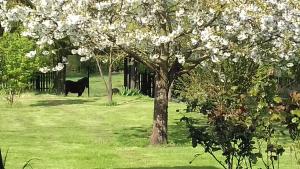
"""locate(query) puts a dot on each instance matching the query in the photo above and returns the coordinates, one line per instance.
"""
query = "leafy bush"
(243, 110)
(15, 68)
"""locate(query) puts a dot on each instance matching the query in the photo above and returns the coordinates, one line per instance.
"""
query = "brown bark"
(101, 75)
(59, 81)
(60, 78)
(170, 92)
(108, 84)
(160, 117)
(1, 31)
(132, 75)
(109, 91)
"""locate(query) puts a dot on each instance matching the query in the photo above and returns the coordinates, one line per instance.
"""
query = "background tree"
(110, 58)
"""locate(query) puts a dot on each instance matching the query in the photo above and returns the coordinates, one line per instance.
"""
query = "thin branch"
(262, 158)
(101, 74)
(216, 16)
(217, 159)
(139, 59)
(194, 63)
(133, 54)
(27, 164)
(195, 156)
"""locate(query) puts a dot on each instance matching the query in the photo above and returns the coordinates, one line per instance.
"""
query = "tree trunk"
(60, 78)
(132, 74)
(110, 67)
(109, 91)
(1, 31)
(160, 117)
(60, 81)
(102, 76)
(170, 92)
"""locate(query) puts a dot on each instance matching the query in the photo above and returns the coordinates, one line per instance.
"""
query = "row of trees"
(170, 37)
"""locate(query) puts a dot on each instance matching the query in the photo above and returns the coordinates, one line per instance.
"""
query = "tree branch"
(133, 54)
(138, 58)
(202, 26)
(194, 63)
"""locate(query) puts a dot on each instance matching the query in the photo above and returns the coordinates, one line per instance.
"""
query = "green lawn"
(83, 133)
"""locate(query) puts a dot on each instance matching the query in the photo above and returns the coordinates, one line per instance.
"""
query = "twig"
(196, 156)
(27, 164)
(217, 159)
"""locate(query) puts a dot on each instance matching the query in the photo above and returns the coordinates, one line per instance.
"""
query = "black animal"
(76, 87)
(115, 91)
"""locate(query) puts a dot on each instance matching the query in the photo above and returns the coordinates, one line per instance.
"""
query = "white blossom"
(155, 56)
(194, 41)
(31, 54)
(242, 36)
(44, 69)
(215, 59)
(58, 67)
(139, 27)
(290, 65)
(181, 59)
(45, 52)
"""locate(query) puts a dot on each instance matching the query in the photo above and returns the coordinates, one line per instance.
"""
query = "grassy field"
(60, 132)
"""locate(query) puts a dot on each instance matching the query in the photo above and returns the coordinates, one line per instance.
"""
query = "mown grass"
(84, 133)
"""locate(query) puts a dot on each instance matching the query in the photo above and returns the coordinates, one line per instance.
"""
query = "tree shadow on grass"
(58, 102)
(176, 167)
(134, 136)
(179, 134)
(139, 136)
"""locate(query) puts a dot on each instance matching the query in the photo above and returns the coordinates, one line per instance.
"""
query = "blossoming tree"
(170, 37)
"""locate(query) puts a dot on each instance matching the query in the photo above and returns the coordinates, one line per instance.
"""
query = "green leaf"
(254, 91)
(296, 112)
(234, 88)
(262, 104)
(277, 99)
(295, 120)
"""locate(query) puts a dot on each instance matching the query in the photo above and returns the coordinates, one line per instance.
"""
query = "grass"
(84, 133)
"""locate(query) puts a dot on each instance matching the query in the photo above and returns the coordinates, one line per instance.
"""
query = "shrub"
(15, 68)
(242, 109)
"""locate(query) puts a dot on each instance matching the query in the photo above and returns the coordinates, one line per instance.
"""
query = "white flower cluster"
(154, 57)
(181, 59)
(44, 69)
(85, 52)
(170, 29)
(31, 54)
(58, 67)
(9, 16)
(158, 40)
